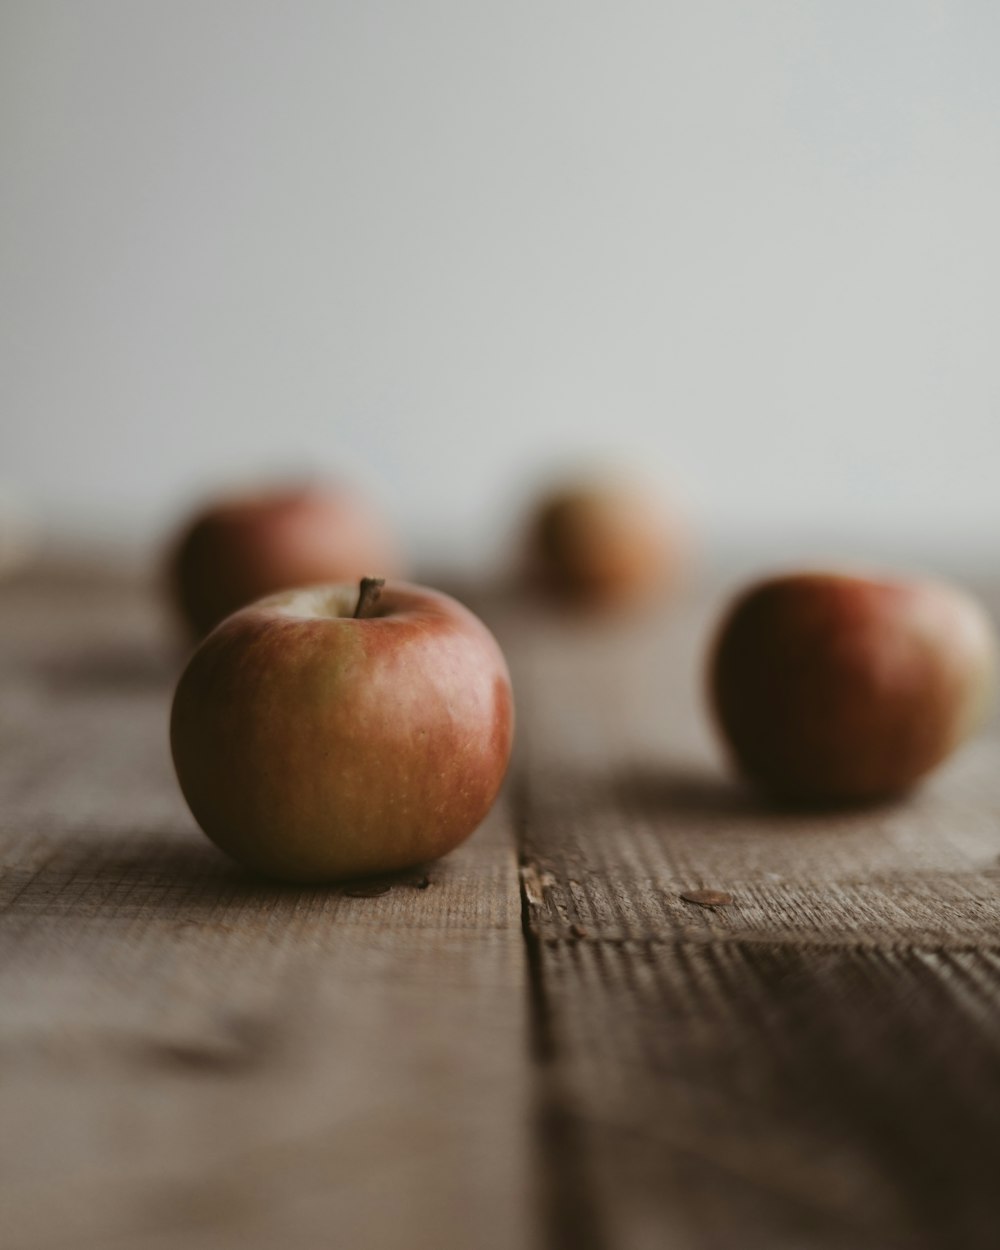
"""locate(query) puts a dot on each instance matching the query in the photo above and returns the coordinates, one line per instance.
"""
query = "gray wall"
(754, 246)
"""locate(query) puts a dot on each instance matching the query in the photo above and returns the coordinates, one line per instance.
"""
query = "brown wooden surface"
(189, 1057)
(816, 1064)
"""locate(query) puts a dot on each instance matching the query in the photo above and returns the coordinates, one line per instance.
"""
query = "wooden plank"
(815, 1065)
(193, 1057)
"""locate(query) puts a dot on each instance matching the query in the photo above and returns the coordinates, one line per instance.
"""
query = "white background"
(445, 247)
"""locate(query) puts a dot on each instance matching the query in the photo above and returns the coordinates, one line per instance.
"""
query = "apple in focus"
(242, 547)
(834, 687)
(322, 733)
(604, 542)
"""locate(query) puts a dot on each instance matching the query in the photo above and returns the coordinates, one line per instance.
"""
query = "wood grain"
(192, 1057)
(537, 1041)
(816, 1064)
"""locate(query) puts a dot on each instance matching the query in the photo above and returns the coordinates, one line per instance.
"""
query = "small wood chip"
(707, 898)
(368, 889)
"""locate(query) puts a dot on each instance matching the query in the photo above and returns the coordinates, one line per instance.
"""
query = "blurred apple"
(242, 547)
(325, 733)
(604, 541)
(837, 687)
(19, 534)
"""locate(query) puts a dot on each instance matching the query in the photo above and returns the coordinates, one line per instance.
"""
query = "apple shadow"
(687, 791)
(170, 877)
(664, 794)
(703, 793)
(123, 668)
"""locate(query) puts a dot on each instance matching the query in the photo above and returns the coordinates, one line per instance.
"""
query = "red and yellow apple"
(322, 734)
(604, 542)
(242, 547)
(835, 687)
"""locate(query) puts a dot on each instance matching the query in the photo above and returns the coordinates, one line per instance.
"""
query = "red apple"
(318, 735)
(605, 542)
(833, 687)
(243, 547)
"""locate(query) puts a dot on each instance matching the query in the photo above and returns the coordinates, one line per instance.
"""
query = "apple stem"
(369, 594)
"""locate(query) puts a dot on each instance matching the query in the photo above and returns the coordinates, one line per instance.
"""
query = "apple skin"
(242, 547)
(313, 746)
(604, 543)
(831, 687)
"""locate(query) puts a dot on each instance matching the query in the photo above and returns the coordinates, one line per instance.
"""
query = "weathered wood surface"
(189, 1057)
(192, 1058)
(816, 1064)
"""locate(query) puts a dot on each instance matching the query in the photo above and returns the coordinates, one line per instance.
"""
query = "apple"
(19, 534)
(835, 687)
(322, 733)
(242, 547)
(604, 542)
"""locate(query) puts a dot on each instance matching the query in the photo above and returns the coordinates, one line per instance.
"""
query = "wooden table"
(536, 1042)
